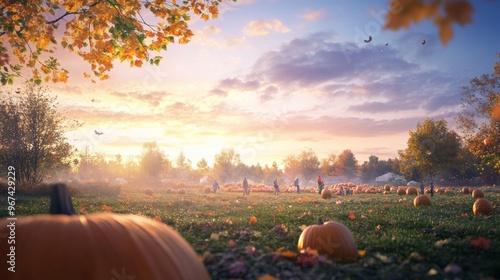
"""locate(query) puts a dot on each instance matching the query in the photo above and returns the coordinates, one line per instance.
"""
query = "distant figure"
(296, 184)
(276, 187)
(321, 184)
(216, 186)
(246, 189)
(432, 189)
(421, 187)
(341, 191)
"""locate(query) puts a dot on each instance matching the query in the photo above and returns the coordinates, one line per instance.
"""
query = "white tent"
(389, 176)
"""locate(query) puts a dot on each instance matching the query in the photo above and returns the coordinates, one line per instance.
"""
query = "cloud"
(154, 99)
(264, 27)
(313, 15)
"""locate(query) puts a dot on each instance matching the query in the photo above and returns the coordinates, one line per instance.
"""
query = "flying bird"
(369, 39)
(387, 44)
(423, 42)
(98, 133)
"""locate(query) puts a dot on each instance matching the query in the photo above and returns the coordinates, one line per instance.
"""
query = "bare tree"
(32, 133)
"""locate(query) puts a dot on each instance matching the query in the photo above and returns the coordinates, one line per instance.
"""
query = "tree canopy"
(479, 120)
(103, 31)
(99, 31)
(431, 149)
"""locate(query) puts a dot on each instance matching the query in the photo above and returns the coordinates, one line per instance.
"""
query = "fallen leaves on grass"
(480, 243)
(252, 220)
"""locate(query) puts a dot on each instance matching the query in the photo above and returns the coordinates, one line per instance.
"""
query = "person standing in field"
(246, 190)
(432, 189)
(216, 186)
(276, 187)
(421, 187)
(296, 184)
(321, 184)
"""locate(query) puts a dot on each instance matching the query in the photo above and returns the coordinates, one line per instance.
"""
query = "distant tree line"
(32, 140)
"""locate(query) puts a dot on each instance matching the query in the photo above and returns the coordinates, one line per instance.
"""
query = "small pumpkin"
(488, 141)
(331, 238)
(387, 187)
(181, 191)
(401, 191)
(482, 207)
(326, 194)
(97, 246)
(477, 193)
(465, 190)
(148, 191)
(411, 191)
(207, 189)
(422, 200)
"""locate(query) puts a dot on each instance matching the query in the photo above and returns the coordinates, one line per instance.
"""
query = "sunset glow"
(271, 78)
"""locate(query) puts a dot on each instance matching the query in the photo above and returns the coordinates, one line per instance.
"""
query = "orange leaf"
(480, 243)
(351, 216)
(252, 220)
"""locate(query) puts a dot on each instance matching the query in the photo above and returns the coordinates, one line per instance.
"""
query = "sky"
(272, 78)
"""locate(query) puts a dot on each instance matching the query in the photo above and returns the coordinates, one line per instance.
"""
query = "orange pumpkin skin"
(477, 194)
(387, 187)
(148, 191)
(465, 190)
(401, 191)
(482, 207)
(411, 191)
(488, 141)
(326, 194)
(422, 200)
(331, 238)
(98, 246)
(207, 189)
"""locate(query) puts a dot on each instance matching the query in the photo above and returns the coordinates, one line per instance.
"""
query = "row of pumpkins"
(108, 245)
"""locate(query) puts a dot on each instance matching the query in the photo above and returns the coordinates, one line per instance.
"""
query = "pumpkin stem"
(320, 221)
(60, 201)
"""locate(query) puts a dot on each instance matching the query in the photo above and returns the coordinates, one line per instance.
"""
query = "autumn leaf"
(252, 220)
(480, 243)
(351, 216)
(157, 218)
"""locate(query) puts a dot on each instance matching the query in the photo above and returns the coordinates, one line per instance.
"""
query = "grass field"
(247, 237)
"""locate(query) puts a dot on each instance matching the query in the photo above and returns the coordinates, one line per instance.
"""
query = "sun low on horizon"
(272, 78)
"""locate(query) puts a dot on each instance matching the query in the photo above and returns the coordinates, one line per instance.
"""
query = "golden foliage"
(402, 13)
(98, 31)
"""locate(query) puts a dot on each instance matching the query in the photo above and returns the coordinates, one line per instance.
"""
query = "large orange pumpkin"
(411, 191)
(422, 200)
(482, 207)
(401, 191)
(326, 194)
(97, 246)
(477, 193)
(331, 238)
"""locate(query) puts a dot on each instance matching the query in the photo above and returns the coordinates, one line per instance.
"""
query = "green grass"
(400, 241)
